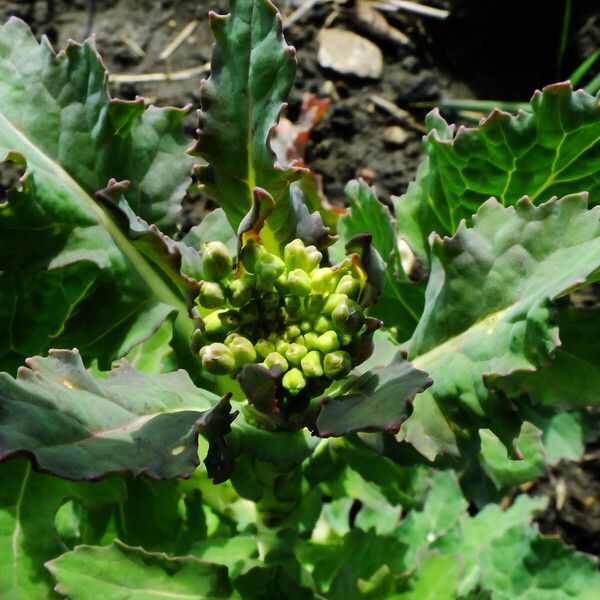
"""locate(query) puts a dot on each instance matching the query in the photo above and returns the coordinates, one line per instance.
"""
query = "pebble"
(395, 135)
(349, 54)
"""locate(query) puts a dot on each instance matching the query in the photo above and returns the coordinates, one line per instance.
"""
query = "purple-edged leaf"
(553, 149)
(488, 311)
(361, 249)
(78, 427)
(260, 384)
(378, 400)
(252, 72)
(66, 266)
(401, 302)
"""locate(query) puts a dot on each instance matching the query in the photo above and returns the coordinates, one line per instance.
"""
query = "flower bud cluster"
(288, 312)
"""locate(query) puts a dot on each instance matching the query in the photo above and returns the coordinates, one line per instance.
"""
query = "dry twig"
(178, 39)
(159, 76)
(400, 114)
(413, 7)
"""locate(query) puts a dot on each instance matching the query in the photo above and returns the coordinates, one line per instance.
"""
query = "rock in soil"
(349, 54)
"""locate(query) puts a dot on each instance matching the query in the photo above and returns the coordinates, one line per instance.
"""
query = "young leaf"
(78, 427)
(28, 503)
(118, 571)
(551, 151)
(487, 306)
(70, 275)
(378, 400)
(252, 72)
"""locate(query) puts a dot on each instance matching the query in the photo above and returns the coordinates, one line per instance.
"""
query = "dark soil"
(498, 49)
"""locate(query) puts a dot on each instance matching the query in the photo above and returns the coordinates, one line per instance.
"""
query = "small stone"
(349, 54)
(395, 135)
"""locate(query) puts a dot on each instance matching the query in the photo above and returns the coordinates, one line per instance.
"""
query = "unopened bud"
(292, 331)
(292, 305)
(298, 282)
(348, 316)
(250, 312)
(337, 364)
(333, 301)
(269, 300)
(239, 293)
(322, 324)
(295, 353)
(310, 340)
(305, 326)
(217, 359)
(314, 258)
(327, 342)
(314, 304)
(250, 254)
(216, 262)
(294, 381)
(213, 326)
(242, 349)
(322, 280)
(211, 295)
(311, 364)
(264, 347)
(348, 286)
(281, 346)
(267, 269)
(274, 358)
(296, 256)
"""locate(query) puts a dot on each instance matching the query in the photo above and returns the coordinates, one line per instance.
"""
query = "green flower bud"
(310, 340)
(314, 257)
(348, 286)
(305, 326)
(213, 326)
(250, 313)
(216, 262)
(199, 339)
(217, 359)
(297, 256)
(230, 319)
(299, 340)
(250, 254)
(239, 292)
(271, 316)
(333, 301)
(269, 300)
(292, 304)
(264, 348)
(345, 339)
(242, 349)
(322, 280)
(337, 364)
(311, 364)
(298, 282)
(274, 358)
(327, 342)
(294, 381)
(295, 353)
(314, 304)
(281, 346)
(348, 316)
(267, 269)
(322, 324)
(212, 295)
(292, 331)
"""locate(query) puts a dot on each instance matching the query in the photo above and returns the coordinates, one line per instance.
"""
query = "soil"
(500, 52)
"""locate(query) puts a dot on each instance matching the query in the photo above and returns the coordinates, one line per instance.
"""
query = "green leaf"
(474, 539)
(434, 580)
(252, 72)
(547, 570)
(402, 300)
(573, 376)
(152, 356)
(487, 306)
(214, 228)
(118, 572)
(82, 280)
(272, 582)
(78, 427)
(443, 509)
(28, 503)
(549, 151)
(378, 400)
(501, 469)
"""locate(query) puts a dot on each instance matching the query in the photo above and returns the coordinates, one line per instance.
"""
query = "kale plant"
(363, 387)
